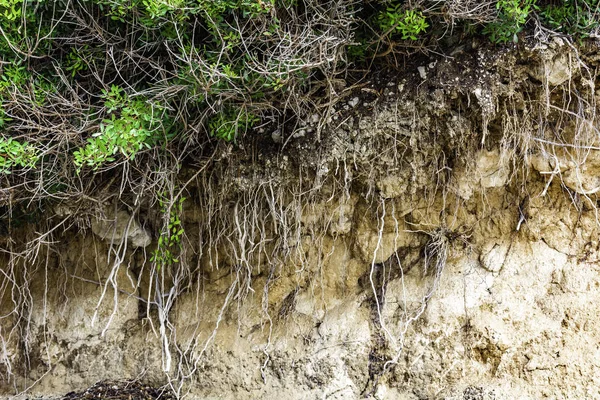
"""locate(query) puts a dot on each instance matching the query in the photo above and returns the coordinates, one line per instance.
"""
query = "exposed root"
(248, 226)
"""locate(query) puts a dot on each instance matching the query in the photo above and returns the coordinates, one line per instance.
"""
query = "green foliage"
(408, 23)
(357, 52)
(134, 124)
(149, 13)
(10, 9)
(14, 77)
(216, 11)
(3, 118)
(169, 243)
(153, 13)
(159, 8)
(118, 10)
(229, 124)
(512, 16)
(14, 153)
(568, 17)
(76, 60)
(42, 89)
(182, 69)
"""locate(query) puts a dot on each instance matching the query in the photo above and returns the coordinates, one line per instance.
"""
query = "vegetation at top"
(87, 86)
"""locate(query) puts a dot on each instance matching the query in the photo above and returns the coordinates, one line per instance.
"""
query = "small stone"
(300, 133)
(121, 226)
(276, 136)
(422, 72)
(354, 102)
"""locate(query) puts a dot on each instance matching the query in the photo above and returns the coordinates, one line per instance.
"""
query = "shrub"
(576, 18)
(134, 124)
(228, 124)
(16, 154)
(512, 16)
(10, 9)
(92, 85)
(408, 23)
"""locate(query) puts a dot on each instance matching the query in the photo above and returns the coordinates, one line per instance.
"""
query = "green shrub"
(15, 77)
(181, 70)
(134, 124)
(575, 18)
(229, 124)
(512, 16)
(76, 60)
(16, 154)
(10, 9)
(159, 8)
(169, 242)
(408, 23)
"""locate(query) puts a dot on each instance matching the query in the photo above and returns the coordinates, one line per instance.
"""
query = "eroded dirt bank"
(440, 242)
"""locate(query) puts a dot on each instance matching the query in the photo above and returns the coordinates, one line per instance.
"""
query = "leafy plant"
(512, 16)
(133, 125)
(15, 76)
(213, 64)
(571, 18)
(42, 88)
(217, 10)
(118, 10)
(10, 9)
(14, 153)
(229, 124)
(3, 118)
(76, 61)
(409, 23)
(169, 242)
(159, 8)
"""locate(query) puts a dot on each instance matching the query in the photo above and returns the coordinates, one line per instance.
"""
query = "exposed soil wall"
(439, 242)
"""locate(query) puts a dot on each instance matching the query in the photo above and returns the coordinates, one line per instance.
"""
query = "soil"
(444, 231)
(114, 390)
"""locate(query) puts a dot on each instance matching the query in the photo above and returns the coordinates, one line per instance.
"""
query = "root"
(256, 225)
